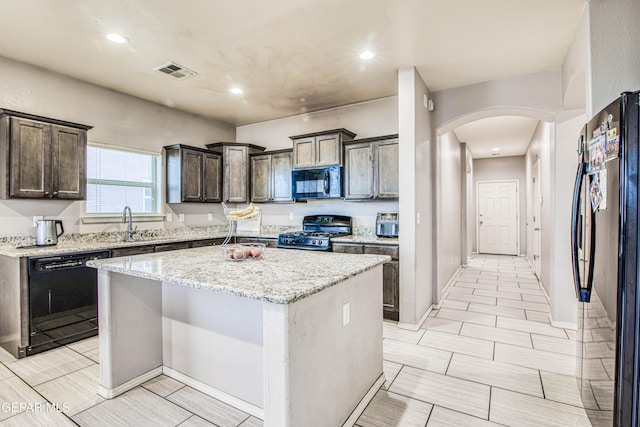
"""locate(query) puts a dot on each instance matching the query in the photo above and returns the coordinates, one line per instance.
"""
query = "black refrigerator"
(604, 240)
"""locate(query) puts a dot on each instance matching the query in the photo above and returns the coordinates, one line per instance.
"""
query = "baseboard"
(449, 283)
(110, 393)
(411, 326)
(214, 392)
(563, 325)
(364, 402)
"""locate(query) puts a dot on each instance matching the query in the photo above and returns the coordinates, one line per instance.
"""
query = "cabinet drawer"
(347, 248)
(137, 250)
(172, 246)
(392, 251)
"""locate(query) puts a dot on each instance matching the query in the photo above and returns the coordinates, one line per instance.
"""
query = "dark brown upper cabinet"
(319, 148)
(236, 169)
(193, 174)
(271, 176)
(42, 157)
(371, 168)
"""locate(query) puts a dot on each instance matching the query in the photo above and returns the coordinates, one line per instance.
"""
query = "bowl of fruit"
(254, 250)
(244, 251)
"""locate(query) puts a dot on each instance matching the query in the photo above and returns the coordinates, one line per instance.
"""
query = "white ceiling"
(509, 134)
(289, 56)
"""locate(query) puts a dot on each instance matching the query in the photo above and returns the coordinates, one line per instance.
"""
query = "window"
(118, 177)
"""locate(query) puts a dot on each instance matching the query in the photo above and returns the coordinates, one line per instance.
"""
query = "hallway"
(488, 356)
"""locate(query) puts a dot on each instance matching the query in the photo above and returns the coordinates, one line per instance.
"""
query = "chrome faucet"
(130, 229)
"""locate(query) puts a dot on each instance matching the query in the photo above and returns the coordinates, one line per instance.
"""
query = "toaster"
(387, 224)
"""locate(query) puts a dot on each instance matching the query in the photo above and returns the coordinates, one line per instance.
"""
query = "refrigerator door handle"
(583, 293)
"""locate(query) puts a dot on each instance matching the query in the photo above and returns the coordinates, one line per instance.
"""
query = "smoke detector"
(175, 70)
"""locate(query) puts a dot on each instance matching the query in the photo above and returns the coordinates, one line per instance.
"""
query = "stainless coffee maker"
(47, 232)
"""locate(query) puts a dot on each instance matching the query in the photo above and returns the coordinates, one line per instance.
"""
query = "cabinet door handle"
(55, 193)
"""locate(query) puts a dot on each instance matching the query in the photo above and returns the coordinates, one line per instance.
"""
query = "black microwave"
(317, 183)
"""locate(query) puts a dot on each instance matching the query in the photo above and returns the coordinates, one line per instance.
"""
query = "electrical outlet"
(181, 217)
(346, 315)
(290, 216)
(36, 218)
(210, 217)
(169, 217)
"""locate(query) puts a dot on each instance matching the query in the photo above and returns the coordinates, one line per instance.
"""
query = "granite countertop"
(72, 245)
(88, 242)
(282, 276)
(366, 239)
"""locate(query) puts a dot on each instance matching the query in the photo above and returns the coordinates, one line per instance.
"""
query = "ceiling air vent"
(174, 70)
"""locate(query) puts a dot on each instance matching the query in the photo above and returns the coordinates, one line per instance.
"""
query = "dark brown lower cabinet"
(270, 242)
(390, 273)
(164, 247)
(391, 290)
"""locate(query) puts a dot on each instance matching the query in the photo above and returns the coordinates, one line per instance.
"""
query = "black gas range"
(316, 234)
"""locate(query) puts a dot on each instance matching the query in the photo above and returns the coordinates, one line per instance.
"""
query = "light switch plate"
(210, 217)
(169, 217)
(181, 217)
(290, 216)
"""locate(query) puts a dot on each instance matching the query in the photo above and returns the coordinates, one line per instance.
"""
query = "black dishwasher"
(63, 300)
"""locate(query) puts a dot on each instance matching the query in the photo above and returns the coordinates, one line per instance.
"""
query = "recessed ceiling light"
(117, 38)
(496, 149)
(236, 90)
(367, 54)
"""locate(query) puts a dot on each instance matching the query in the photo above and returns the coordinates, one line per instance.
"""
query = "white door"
(498, 217)
(535, 223)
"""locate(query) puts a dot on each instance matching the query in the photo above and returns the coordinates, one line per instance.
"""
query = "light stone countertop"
(281, 276)
(367, 239)
(89, 242)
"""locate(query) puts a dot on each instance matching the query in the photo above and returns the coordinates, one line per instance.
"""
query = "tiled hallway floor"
(487, 357)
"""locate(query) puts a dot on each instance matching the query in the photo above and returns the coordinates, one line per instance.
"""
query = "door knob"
(480, 222)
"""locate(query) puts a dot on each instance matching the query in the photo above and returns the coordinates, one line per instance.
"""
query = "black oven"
(318, 183)
(63, 297)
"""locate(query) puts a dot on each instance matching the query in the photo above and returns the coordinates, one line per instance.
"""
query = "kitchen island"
(294, 338)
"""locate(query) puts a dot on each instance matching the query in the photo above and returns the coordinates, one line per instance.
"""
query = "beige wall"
(365, 119)
(450, 210)
(118, 119)
(563, 165)
(614, 29)
(500, 169)
(416, 205)
(540, 148)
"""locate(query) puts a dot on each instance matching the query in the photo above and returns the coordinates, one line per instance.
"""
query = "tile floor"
(487, 357)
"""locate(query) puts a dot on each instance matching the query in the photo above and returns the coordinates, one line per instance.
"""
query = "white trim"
(215, 393)
(517, 181)
(108, 218)
(449, 283)
(411, 326)
(110, 393)
(364, 402)
(122, 148)
(563, 325)
(544, 291)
